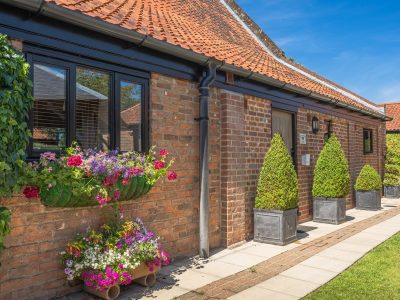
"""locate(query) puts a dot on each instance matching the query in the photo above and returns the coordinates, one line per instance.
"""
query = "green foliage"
(5, 218)
(15, 102)
(277, 186)
(331, 173)
(368, 180)
(392, 163)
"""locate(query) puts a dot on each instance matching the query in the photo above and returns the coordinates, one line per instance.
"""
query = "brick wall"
(233, 162)
(258, 139)
(245, 137)
(30, 266)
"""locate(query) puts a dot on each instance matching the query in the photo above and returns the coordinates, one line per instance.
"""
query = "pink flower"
(163, 152)
(74, 161)
(158, 164)
(125, 182)
(172, 176)
(117, 195)
(121, 266)
(31, 192)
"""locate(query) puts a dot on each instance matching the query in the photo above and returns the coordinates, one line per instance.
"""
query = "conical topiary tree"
(331, 173)
(392, 162)
(277, 186)
(368, 180)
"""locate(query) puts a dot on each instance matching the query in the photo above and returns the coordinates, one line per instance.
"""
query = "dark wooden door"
(282, 123)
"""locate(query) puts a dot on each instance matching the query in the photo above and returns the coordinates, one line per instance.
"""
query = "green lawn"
(375, 276)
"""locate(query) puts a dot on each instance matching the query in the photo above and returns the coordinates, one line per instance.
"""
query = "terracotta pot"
(111, 293)
(143, 276)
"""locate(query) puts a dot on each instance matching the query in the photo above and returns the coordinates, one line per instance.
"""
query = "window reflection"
(49, 118)
(131, 117)
(92, 104)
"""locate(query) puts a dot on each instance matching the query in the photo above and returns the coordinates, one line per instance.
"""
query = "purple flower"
(68, 271)
(129, 240)
(119, 245)
(51, 156)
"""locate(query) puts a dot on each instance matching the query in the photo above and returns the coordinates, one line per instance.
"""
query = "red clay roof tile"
(392, 110)
(208, 27)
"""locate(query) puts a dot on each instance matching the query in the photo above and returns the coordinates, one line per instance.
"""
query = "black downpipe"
(206, 80)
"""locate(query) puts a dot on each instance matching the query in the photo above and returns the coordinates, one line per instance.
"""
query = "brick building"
(392, 110)
(198, 77)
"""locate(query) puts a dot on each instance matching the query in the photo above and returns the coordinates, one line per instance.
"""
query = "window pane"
(131, 116)
(49, 121)
(92, 102)
(367, 141)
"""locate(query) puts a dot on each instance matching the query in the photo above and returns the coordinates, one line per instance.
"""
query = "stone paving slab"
(258, 293)
(287, 285)
(309, 274)
(326, 263)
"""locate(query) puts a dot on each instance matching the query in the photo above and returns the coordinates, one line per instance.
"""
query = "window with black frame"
(49, 117)
(98, 108)
(367, 141)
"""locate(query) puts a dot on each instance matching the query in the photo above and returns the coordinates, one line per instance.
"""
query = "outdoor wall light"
(315, 125)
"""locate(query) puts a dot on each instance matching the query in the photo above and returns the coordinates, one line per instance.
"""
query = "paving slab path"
(261, 271)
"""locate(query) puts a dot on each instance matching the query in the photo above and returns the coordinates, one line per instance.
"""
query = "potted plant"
(331, 184)
(391, 180)
(275, 214)
(368, 189)
(115, 255)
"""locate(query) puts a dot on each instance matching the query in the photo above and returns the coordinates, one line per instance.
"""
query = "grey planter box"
(275, 226)
(392, 191)
(368, 200)
(329, 210)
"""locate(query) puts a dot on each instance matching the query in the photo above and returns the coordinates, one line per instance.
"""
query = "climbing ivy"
(15, 103)
(5, 218)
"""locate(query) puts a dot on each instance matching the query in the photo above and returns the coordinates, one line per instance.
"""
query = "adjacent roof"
(392, 110)
(217, 29)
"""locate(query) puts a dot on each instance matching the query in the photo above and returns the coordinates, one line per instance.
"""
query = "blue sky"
(354, 43)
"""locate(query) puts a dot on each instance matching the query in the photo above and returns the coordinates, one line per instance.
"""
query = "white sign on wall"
(306, 160)
(303, 138)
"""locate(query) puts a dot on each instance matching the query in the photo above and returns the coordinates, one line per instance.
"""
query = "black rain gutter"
(74, 17)
(209, 75)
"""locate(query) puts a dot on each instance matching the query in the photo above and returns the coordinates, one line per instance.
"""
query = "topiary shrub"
(392, 160)
(368, 180)
(331, 173)
(15, 103)
(277, 186)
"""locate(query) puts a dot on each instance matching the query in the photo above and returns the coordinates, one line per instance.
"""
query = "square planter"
(368, 200)
(275, 226)
(329, 210)
(392, 191)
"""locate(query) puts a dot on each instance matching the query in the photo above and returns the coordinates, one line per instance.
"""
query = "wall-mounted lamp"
(315, 125)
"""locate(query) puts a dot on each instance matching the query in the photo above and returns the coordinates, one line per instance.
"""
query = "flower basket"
(86, 178)
(63, 196)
